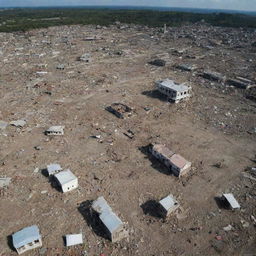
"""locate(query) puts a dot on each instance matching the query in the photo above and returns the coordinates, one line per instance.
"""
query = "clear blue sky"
(214, 4)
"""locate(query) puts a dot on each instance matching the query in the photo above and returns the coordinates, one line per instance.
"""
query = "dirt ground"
(217, 125)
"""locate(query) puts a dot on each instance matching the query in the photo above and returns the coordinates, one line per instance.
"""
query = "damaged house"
(176, 163)
(173, 91)
(120, 110)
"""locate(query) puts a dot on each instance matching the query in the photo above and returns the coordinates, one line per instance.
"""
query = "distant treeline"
(28, 18)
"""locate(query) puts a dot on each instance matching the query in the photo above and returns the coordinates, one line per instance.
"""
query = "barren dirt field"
(215, 129)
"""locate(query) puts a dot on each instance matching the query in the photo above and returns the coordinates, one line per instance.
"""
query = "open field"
(218, 124)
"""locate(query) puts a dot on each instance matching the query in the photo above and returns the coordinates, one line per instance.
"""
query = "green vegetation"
(27, 18)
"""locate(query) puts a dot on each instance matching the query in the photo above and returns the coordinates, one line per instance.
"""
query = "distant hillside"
(21, 19)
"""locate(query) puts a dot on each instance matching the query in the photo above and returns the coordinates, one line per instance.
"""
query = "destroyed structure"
(231, 201)
(120, 110)
(168, 205)
(115, 227)
(66, 180)
(27, 239)
(176, 163)
(173, 91)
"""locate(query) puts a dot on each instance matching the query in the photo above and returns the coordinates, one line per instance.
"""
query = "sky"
(248, 5)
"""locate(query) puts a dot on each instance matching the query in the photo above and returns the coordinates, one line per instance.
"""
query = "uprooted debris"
(120, 110)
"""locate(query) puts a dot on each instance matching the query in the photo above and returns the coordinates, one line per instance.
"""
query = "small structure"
(173, 91)
(85, 57)
(168, 205)
(74, 239)
(55, 130)
(115, 227)
(120, 110)
(187, 67)
(27, 239)
(53, 168)
(176, 163)
(231, 201)
(18, 123)
(214, 76)
(67, 180)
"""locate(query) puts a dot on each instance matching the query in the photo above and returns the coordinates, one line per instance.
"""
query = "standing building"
(173, 91)
(27, 239)
(176, 163)
(67, 180)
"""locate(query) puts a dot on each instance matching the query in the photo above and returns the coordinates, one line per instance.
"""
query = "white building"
(27, 239)
(67, 180)
(168, 205)
(173, 91)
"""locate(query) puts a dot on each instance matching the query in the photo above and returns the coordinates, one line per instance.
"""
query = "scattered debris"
(130, 134)
(228, 228)
(55, 130)
(85, 57)
(168, 205)
(27, 239)
(5, 182)
(67, 180)
(74, 239)
(158, 62)
(173, 91)
(214, 76)
(60, 67)
(187, 67)
(120, 110)
(3, 125)
(115, 227)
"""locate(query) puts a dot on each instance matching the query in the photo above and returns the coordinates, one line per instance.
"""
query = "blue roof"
(25, 236)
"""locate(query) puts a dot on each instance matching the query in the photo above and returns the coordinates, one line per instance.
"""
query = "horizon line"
(128, 6)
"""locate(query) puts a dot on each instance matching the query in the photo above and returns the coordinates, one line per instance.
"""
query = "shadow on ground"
(221, 203)
(155, 94)
(154, 162)
(151, 207)
(92, 219)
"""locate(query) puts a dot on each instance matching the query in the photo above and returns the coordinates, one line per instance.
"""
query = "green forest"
(22, 19)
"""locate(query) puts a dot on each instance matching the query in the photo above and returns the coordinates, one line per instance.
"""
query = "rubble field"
(67, 76)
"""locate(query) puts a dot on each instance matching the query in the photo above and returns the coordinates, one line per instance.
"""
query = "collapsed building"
(120, 110)
(176, 163)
